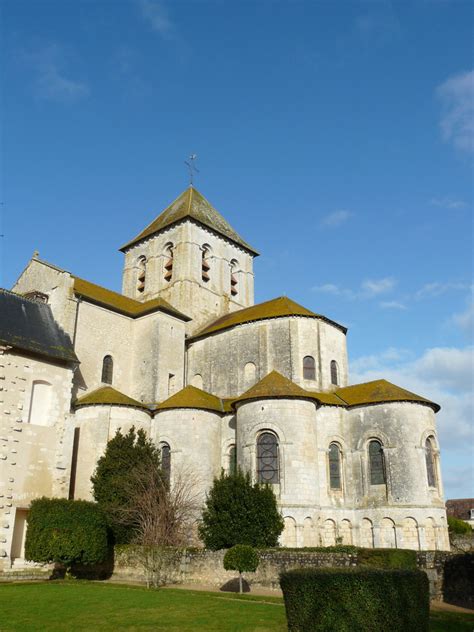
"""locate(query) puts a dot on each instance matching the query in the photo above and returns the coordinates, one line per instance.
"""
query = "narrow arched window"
(334, 373)
(430, 462)
(168, 262)
(232, 454)
(205, 267)
(107, 369)
(376, 463)
(309, 368)
(233, 278)
(141, 275)
(334, 466)
(166, 462)
(267, 459)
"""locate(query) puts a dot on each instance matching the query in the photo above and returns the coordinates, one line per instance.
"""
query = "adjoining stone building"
(217, 382)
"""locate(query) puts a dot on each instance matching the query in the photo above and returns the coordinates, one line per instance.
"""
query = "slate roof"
(30, 326)
(106, 395)
(191, 204)
(120, 303)
(192, 397)
(275, 308)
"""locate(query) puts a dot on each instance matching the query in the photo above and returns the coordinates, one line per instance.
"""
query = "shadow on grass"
(233, 586)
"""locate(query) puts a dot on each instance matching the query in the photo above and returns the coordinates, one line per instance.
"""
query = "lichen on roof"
(275, 308)
(274, 386)
(191, 204)
(192, 397)
(380, 391)
(123, 304)
(106, 395)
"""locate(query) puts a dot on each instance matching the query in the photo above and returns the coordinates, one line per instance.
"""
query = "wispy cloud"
(457, 122)
(156, 14)
(436, 288)
(447, 202)
(465, 319)
(369, 288)
(393, 305)
(335, 219)
(379, 23)
(51, 78)
(374, 287)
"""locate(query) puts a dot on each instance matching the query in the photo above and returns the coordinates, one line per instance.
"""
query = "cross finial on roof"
(192, 167)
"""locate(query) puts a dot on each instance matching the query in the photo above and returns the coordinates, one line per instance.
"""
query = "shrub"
(242, 558)
(388, 558)
(344, 600)
(66, 532)
(458, 527)
(458, 581)
(238, 512)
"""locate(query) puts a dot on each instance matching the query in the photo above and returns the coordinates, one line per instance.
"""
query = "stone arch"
(329, 532)
(288, 537)
(250, 375)
(197, 381)
(430, 534)
(308, 532)
(388, 534)
(345, 531)
(366, 534)
(411, 538)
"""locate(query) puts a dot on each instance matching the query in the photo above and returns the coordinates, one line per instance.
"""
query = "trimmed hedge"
(458, 582)
(366, 600)
(66, 531)
(403, 559)
(242, 558)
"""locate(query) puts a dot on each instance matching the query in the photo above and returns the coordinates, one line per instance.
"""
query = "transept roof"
(275, 308)
(193, 205)
(106, 395)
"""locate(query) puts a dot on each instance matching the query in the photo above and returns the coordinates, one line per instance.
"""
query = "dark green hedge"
(366, 600)
(387, 558)
(66, 532)
(458, 581)
(458, 527)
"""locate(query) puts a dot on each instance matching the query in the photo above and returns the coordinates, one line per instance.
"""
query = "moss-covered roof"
(120, 303)
(274, 386)
(191, 204)
(192, 397)
(106, 395)
(275, 308)
(379, 391)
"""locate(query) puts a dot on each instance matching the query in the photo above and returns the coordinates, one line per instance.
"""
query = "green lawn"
(93, 606)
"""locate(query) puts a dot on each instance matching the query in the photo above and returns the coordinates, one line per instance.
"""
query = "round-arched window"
(268, 470)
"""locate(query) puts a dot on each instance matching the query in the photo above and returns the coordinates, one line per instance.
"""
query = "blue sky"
(336, 137)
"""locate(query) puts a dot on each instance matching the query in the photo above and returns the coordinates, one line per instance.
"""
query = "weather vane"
(192, 167)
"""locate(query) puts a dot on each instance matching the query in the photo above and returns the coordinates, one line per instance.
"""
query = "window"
(250, 374)
(141, 275)
(267, 459)
(232, 465)
(334, 373)
(166, 461)
(169, 262)
(205, 267)
(40, 403)
(36, 296)
(309, 368)
(233, 278)
(334, 466)
(107, 369)
(376, 463)
(430, 462)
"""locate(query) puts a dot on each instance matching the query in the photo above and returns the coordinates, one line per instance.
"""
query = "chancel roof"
(274, 386)
(193, 397)
(29, 325)
(106, 395)
(193, 205)
(275, 308)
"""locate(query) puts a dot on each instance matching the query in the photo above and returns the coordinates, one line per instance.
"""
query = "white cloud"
(332, 220)
(367, 289)
(374, 287)
(51, 80)
(457, 122)
(437, 289)
(156, 15)
(448, 203)
(393, 305)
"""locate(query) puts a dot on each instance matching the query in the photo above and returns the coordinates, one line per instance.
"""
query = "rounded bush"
(458, 527)
(242, 558)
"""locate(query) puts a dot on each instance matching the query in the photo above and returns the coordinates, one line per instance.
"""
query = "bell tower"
(191, 257)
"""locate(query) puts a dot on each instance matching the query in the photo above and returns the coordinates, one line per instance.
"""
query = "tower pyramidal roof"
(193, 205)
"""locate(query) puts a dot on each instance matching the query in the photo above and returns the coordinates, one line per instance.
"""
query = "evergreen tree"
(114, 478)
(238, 512)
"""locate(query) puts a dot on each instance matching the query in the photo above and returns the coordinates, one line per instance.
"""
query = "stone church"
(217, 382)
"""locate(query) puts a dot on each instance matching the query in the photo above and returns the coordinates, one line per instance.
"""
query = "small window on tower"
(334, 373)
(309, 368)
(107, 369)
(205, 267)
(168, 262)
(233, 278)
(141, 275)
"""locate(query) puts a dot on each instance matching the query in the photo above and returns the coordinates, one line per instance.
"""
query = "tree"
(242, 558)
(115, 477)
(66, 532)
(237, 512)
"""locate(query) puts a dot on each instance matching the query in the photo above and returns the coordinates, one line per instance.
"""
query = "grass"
(55, 606)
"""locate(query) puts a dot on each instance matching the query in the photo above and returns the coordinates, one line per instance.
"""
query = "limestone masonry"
(217, 382)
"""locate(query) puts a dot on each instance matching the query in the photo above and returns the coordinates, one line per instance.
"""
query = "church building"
(218, 382)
